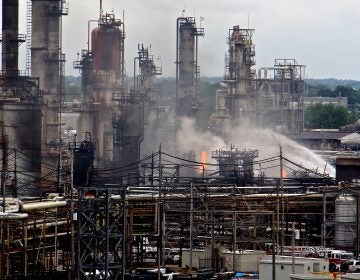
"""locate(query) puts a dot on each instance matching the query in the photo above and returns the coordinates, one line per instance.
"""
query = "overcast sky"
(324, 35)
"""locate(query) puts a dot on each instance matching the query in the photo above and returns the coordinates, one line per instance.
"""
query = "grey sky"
(324, 35)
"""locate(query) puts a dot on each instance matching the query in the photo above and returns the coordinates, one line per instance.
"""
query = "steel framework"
(100, 239)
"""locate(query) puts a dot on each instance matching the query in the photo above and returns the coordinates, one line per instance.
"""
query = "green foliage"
(327, 116)
(319, 90)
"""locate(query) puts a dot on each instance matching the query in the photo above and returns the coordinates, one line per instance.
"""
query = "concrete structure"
(284, 266)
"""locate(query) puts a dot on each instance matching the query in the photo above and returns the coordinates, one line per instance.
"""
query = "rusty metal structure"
(187, 68)
(235, 104)
(280, 96)
(102, 70)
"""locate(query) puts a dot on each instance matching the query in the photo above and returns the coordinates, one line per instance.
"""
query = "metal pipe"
(88, 37)
(135, 58)
(13, 216)
(191, 224)
(42, 205)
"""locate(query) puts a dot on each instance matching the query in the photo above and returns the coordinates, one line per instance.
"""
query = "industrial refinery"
(136, 189)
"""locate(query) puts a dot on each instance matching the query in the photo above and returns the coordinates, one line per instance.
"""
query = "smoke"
(188, 137)
(266, 141)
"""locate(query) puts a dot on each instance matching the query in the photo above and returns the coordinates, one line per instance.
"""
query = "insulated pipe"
(13, 216)
(10, 30)
(42, 205)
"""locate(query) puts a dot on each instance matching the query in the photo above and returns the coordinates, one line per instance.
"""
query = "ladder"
(28, 35)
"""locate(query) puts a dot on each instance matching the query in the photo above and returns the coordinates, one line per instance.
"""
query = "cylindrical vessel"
(106, 46)
(345, 221)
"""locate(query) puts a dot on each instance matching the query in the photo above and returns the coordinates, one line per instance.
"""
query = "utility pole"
(282, 200)
(191, 224)
(4, 144)
(159, 242)
(293, 249)
(273, 249)
(72, 220)
(15, 175)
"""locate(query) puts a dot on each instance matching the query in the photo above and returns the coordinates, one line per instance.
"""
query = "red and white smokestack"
(10, 40)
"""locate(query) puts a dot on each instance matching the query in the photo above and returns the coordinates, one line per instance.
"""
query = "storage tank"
(345, 221)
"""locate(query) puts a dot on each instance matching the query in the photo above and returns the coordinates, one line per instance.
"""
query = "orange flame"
(203, 162)
(283, 172)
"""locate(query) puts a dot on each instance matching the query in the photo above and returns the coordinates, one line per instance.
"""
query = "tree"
(326, 116)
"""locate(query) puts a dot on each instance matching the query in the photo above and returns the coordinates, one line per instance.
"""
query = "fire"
(203, 162)
(283, 172)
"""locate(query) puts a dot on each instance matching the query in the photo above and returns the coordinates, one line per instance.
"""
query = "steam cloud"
(266, 141)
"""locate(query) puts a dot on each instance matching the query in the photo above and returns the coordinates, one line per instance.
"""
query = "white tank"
(345, 221)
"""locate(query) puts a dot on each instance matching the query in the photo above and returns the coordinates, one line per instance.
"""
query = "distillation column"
(235, 104)
(102, 69)
(187, 71)
(47, 63)
(144, 83)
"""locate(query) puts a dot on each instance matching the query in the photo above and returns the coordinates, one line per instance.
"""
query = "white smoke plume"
(266, 141)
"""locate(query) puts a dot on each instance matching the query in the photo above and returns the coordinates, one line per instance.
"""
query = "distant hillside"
(333, 83)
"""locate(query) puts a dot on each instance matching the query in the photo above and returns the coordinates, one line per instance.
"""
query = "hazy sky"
(324, 35)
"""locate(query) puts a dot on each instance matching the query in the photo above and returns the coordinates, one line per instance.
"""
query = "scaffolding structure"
(280, 96)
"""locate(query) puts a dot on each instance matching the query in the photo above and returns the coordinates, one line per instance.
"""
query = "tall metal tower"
(148, 88)
(102, 69)
(47, 63)
(187, 69)
(235, 104)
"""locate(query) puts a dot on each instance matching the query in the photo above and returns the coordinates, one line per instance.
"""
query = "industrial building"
(112, 200)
